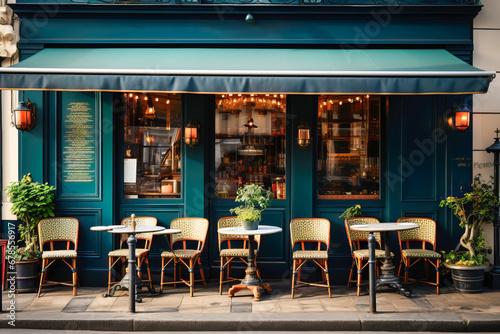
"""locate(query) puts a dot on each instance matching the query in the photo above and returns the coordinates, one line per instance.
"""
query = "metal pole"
(496, 223)
(372, 270)
(132, 289)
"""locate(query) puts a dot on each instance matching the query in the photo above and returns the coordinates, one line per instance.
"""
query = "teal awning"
(196, 70)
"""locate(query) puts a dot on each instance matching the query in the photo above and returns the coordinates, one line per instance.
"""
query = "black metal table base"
(124, 284)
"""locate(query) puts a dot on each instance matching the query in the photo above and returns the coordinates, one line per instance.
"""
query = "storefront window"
(151, 149)
(250, 143)
(349, 147)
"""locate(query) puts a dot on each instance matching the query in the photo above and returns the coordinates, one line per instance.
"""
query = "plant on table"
(255, 199)
(473, 210)
(31, 202)
(353, 211)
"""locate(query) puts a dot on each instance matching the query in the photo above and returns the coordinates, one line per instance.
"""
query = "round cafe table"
(251, 280)
(130, 281)
(388, 275)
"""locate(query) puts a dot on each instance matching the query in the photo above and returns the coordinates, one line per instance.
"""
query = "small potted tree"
(31, 202)
(255, 199)
(473, 210)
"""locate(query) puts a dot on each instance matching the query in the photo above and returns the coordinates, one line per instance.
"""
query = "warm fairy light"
(279, 103)
(324, 103)
(340, 103)
(357, 98)
(239, 95)
(223, 95)
(157, 99)
(168, 101)
(145, 98)
(331, 101)
(137, 97)
(367, 96)
(252, 99)
(281, 95)
(131, 95)
(275, 95)
(230, 95)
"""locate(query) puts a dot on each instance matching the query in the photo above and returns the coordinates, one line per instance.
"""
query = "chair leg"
(149, 273)
(359, 266)
(191, 277)
(438, 263)
(162, 274)
(201, 273)
(399, 268)
(110, 268)
(327, 279)
(221, 279)
(139, 266)
(257, 269)
(74, 277)
(293, 276)
(351, 273)
(175, 273)
(298, 274)
(42, 276)
(407, 269)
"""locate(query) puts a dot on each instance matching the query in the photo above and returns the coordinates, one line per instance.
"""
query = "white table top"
(106, 227)
(138, 229)
(263, 229)
(384, 227)
(168, 231)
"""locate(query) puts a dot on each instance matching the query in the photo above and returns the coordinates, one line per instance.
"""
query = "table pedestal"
(251, 280)
(388, 274)
(131, 279)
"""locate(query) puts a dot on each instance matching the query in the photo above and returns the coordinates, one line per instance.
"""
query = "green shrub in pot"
(255, 199)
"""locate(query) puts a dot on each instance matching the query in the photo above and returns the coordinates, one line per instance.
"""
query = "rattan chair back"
(227, 238)
(192, 229)
(58, 229)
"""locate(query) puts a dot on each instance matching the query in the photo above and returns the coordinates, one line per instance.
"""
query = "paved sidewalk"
(311, 310)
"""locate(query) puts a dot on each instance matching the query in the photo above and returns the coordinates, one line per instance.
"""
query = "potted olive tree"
(31, 202)
(473, 210)
(255, 199)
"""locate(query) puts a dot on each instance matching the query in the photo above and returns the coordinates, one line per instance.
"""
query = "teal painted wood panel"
(31, 145)
(419, 140)
(298, 28)
(300, 186)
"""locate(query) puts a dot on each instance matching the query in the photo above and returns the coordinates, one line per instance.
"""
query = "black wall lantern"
(192, 133)
(461, 117)
(24, 117)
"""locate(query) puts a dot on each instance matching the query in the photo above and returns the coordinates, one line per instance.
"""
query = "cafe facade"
(164, 109)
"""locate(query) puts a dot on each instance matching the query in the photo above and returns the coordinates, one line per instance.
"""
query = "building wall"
(486, 116)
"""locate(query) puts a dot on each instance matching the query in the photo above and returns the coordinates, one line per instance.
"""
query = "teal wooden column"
(194, 163)
(301, 108)
(31, 150)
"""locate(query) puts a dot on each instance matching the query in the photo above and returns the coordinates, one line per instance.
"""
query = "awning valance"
(197, 70)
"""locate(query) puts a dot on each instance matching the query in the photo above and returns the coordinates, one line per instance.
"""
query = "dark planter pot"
(254, 225)
(27, 275)
(467, 279)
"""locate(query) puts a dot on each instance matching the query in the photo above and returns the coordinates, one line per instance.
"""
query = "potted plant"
(353, 211)
(473, 210)
(31, 201)
(255, 199)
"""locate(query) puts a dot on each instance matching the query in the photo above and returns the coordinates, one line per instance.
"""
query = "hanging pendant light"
(150, 110)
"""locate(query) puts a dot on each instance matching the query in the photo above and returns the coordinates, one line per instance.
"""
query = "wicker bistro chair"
(192, 229)
(315, 231)
(426, 234)
(140, 253)
(229, 253)
(54, 231)
(359, 254)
